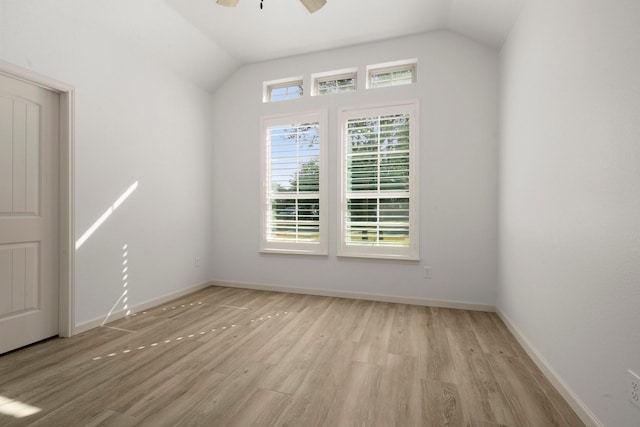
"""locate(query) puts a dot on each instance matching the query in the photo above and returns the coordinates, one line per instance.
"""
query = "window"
(334, 82)
(293, 200)
(391, 74)
(379, 207)
(281, 90)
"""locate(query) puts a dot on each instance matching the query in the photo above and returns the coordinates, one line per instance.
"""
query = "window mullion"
(379, 158)
(297, 204)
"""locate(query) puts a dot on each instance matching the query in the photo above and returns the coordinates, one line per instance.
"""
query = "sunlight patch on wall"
(125, 283)
(87, 234)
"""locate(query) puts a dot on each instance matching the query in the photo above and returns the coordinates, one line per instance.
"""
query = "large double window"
(379, 207)
(294, 183)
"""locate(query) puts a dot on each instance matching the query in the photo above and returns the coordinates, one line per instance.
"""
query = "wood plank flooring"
(234, 357)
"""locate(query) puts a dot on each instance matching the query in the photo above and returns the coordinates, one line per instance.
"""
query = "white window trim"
(400, 253)
(390, 67)
(303, 248)
(346, 73)
(269, 86)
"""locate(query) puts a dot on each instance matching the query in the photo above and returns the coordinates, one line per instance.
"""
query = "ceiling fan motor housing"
(311, 5)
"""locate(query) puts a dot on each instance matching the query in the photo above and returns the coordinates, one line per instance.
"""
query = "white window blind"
(293, 204)
(379, 212)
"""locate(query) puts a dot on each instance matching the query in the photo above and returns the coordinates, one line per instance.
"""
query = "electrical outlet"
(427, 272)
(634, 388)
(196, 262)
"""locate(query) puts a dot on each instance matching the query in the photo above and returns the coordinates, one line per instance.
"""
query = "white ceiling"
(285, 27)
(205, 42)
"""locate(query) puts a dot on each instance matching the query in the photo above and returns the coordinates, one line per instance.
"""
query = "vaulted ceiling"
(284, 27)
(205, 42)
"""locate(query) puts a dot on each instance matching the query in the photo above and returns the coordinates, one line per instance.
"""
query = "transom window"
(391, 74)
(293, 205)
(282, 90)
(336, 82)
(379, 195)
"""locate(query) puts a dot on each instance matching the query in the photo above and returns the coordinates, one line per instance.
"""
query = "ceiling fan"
(311, 5)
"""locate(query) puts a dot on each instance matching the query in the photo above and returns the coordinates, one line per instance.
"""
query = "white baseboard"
(572, 399)
(99, 321)
(357, 295)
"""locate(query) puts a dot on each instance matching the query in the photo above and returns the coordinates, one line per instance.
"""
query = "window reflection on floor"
(16, 408)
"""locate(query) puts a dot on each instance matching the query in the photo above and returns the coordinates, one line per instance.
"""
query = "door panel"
(20, 153)
(29, 180)
(19, 284)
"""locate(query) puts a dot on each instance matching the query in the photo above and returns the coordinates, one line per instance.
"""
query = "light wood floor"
(232, 357)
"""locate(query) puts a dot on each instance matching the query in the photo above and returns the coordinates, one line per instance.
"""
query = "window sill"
(293, 252)
(378, 256)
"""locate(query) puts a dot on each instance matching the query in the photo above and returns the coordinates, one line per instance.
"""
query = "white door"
(28, 213)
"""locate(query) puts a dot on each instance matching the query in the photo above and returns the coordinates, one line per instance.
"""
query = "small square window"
(334, 82)
(391, 74)
(282, 90)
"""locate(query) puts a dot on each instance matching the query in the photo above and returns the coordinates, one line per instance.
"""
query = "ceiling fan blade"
(313, 5)
(232, 3)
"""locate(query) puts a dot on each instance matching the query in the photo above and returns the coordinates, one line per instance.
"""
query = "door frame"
(66, 279)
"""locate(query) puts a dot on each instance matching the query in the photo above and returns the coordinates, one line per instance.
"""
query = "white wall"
(137, 120)
(570, 194)
(458, 90)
